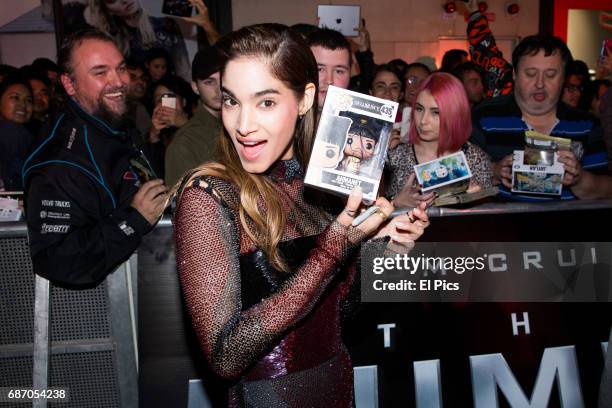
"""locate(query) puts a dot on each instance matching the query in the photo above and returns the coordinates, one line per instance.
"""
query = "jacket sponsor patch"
(71, 139)
(54, 229)
(54, 215)
(127, 230)
(55, 203)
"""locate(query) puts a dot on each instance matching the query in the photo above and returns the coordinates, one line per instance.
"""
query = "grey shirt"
(193, 144)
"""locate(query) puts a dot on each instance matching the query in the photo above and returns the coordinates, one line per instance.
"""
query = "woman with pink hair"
(440, 125)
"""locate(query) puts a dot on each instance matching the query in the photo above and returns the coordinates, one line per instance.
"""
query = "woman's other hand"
(411, 196)
(404, 228)
(407, 227)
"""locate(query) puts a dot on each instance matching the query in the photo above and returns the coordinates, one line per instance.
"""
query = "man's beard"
(114, 119)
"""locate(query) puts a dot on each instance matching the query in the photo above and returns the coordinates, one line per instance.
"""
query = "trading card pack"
(351, 143)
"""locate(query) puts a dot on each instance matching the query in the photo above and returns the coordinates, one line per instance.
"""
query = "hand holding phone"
(179, 8)
(168, 100)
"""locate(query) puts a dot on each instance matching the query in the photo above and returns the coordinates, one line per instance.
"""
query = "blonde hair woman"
(135, 31)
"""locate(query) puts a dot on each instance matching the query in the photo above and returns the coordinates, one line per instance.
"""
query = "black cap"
(205, 63)
(364, 125)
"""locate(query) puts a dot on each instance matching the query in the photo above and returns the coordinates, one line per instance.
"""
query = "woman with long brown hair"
(263, 266)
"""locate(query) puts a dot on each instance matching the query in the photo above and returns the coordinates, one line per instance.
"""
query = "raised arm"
(484, 52)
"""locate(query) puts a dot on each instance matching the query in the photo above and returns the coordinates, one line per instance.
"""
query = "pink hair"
(455, 114)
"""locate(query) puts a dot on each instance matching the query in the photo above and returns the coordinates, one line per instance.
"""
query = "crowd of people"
(101, 145)
(31, 96)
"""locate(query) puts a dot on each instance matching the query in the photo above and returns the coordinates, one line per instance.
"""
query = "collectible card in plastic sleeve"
(351, 143)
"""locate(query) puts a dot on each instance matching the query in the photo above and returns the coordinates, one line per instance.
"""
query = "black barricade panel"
(169, 355)
(16, 291)
(80, 314)
(92, 377)
(462, 340)
(16, 314)
(415, 348)
(91, 343)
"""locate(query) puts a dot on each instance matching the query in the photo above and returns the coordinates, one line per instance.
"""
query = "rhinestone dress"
(275, 334)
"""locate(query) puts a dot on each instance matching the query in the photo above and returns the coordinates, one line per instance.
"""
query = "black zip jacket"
(79, 185)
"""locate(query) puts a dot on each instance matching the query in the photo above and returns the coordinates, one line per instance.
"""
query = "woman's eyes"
(17, 98)
(267, 103)
(229, 102)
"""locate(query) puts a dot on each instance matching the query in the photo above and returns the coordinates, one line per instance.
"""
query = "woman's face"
(572, 90)
(412, 80)
(122, 8)
(259, 113)
(427, 117)
(16, 104)
(157, 68)
(386, 85)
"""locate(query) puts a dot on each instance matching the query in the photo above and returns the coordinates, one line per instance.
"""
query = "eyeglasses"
(412, 80)
(382, 88)
(573, 88)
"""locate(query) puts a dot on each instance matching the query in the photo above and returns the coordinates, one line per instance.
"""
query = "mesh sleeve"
(208, 249)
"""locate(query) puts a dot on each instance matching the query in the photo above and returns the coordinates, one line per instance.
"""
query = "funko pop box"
(351, 143)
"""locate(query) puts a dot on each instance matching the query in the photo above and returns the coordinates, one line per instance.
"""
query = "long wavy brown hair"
(290, 61)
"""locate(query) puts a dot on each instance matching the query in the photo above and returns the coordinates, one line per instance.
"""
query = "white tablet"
(341, 18)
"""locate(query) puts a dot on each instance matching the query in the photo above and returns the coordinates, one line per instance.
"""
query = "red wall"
(562, 7)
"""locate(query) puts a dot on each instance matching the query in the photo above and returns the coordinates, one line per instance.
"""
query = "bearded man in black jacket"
(90, 194)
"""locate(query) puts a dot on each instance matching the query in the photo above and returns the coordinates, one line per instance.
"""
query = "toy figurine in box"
(360, 143)
(447, 175)
(351, 143)
(537, 170)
